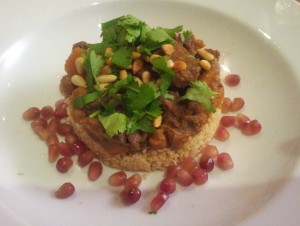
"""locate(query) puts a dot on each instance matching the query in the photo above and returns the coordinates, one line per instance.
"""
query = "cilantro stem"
(133, 89)
(150, 114)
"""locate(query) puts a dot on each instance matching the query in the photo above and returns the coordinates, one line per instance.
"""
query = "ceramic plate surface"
(257, 41)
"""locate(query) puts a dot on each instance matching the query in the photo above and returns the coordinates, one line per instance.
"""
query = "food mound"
(144, 98)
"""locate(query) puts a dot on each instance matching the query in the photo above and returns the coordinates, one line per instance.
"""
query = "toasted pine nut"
(106, 70)
(138, 80)
(78, 80)
(157, 121)
(146, 77)
(170, 63)
(205, 54)
(137, 65)
(107, 51)
(79, 65)
(205, 64)
(101, 87)
(136, 55)
(123, 74)
(146, 58)
(106, 78)
(153, 56)
(179, 65)
(168, 49)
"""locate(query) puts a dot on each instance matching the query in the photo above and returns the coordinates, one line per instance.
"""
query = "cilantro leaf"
(154, 110)
(200, 92)
(114, 88)
(114, 123)
(185, 35)
(122, 57)
(140, 121)
(81, 101)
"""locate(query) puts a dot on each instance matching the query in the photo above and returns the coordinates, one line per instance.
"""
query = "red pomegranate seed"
(95, 170)
(199, 176)
(133, 181)
(84, 158)
(184, 178)
(53, 153)
(65, 149)
(52, 139)
(224, 161)
(237, 104)
(78, 147)
(158, 201)
(168, 185)
(242, 121)
(60, 111)
(172, 170)
(232, 80)
(65, 190)
(252, 128)
(227, 121)
(71, 138)
(222, 134)
(39, 122)
(117, 178)
(206, 163)
(41, 132)
(226, 105)
(64, 164)
(130, 196)
(188, 164)
(31, 113)
(59, 102)
(210, 150)
(47, 112)
(64, 128)
(52, 125)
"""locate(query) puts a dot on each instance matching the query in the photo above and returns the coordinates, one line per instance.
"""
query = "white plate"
(257, 40)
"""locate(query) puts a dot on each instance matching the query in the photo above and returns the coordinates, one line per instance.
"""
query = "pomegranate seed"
(224, 161)
(232, 80)
(206, 163)
(60, 111)
(52, 139)
(78, 147)
(117, 178)
(65, 190)
(65, 149)
(210, 150)
(188, 163)
(41, 132)
(199, 176)
(226, 105)
(158, 201)
(64, 164)
(31, 113)
(130, 196)
(71, 138)
(64, 128)
(59, 102)
(133, 181)
(168, 185)
(39, 122)
(237, 104)
(95, 170)
(252, 128)
(52, 125)
(47, 112)
(222, 134)
(84, 158)
(172, 170)
(227, 121)
(242, 121)
(53, 153)
(184, 178)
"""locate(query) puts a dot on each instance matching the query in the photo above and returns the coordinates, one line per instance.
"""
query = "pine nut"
(205, 54)
(153, 56)
(205, 64)
(123, 74)
(106, 70)
(101, 87)
(108, 51)
(106, 78)
(146, 77)
(78, 80)
(137, 65)
(179, 66)
(168, 49)
(79, 65)
(138, 80)
(170, 63)
(157, 121)
(136, 55)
